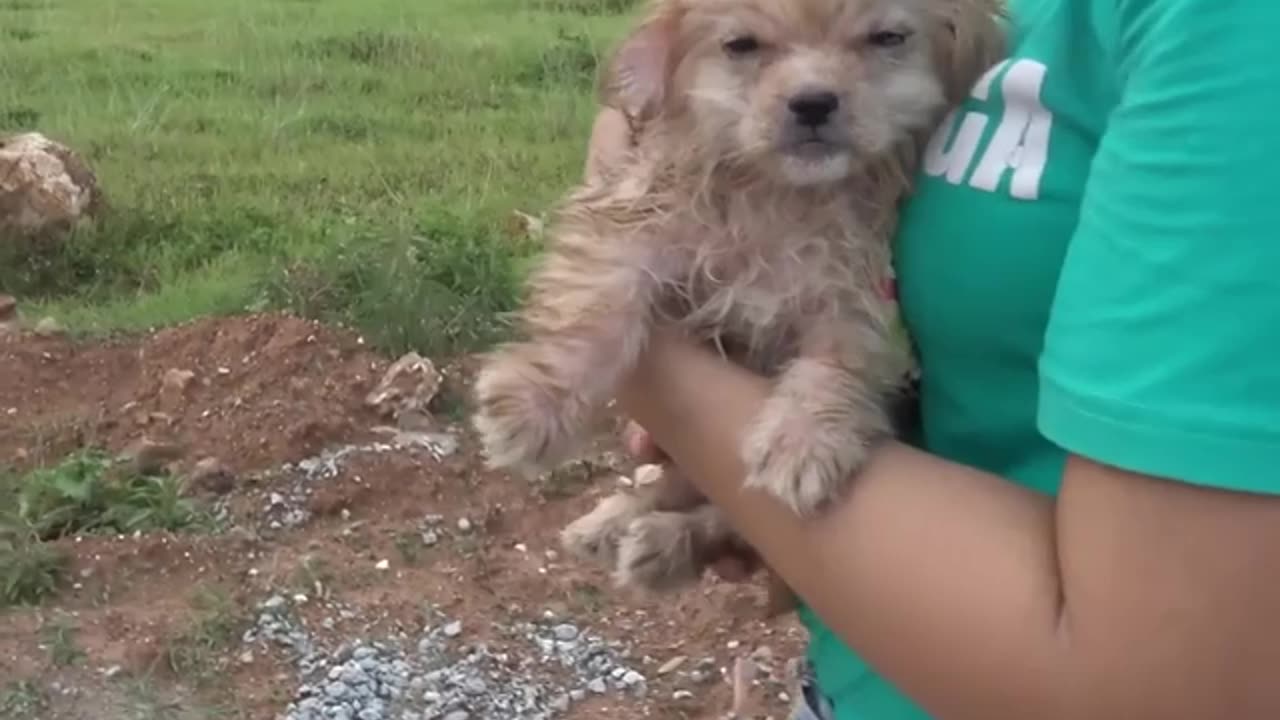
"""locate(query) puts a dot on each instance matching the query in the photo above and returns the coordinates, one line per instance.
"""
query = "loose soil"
(268, 390)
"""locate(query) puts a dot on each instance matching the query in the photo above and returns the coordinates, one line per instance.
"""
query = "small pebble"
(672, 665)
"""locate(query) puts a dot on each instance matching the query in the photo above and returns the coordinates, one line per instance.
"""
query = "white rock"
(408, 386)
(671, 665)
(44, 187)
(647, 474)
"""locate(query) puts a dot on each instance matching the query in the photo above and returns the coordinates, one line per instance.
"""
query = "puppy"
(772, 142)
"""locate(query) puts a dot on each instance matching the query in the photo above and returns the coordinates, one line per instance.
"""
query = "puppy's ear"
(970, 39)
(637, 77)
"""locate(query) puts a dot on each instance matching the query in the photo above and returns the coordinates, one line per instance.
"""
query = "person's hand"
(736, 565)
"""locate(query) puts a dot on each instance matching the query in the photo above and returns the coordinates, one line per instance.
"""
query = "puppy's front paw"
(524, 418)
(660, 552)
(596, 536)
(802, 458)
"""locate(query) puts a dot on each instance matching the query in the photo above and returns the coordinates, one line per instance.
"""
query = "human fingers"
(640, 444)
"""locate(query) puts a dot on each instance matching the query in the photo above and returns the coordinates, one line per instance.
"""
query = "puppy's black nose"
(813, 108)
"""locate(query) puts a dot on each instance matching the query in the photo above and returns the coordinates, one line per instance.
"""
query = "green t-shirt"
(1091, 262)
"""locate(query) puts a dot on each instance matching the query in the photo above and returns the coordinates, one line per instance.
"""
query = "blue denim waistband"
(812, 704)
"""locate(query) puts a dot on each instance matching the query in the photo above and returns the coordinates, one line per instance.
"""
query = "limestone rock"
(49, 327)
(407, 388)
(45, 188)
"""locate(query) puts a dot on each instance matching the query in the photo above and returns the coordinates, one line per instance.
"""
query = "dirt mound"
(251, 391)
(362, 534)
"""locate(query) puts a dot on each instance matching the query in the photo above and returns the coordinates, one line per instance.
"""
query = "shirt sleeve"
(1162, 352)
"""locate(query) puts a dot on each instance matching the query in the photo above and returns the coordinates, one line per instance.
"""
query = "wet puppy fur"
(772, 141)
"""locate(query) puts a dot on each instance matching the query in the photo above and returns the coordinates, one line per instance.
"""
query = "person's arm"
(1130, 598)
(1144, 592)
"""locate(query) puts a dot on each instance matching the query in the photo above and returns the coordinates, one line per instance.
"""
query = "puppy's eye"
(742, 45)
(886, 38)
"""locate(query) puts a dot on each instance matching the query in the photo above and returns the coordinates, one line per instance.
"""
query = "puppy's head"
(806, 91)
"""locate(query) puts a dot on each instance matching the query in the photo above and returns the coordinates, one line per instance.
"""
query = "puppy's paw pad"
(658, 553)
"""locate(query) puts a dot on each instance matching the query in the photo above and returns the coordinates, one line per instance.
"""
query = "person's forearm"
(944, 577)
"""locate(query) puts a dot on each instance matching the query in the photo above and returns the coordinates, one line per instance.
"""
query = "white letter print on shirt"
(1020, 143)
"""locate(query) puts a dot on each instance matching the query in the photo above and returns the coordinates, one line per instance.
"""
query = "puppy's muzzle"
(813, 109)
(810, 127)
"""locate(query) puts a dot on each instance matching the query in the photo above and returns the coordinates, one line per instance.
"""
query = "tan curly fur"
(750, 227)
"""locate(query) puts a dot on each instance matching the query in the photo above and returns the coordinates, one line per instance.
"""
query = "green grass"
(213, 630)
(354, 161)
(22, 700)
(30, 571)
(59, 638)
(87, 492)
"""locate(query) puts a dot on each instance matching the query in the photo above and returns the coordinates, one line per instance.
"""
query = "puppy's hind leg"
(664, 551)
(597, 535)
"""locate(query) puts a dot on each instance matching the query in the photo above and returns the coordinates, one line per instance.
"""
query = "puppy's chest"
(765, 284)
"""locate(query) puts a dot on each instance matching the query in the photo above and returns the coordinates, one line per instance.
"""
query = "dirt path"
(351, 563)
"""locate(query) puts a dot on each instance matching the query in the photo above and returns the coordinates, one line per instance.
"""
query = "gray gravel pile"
(287, 508)
(540, 671)
(277, 626)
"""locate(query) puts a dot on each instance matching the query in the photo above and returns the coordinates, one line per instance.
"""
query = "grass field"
(354, 160)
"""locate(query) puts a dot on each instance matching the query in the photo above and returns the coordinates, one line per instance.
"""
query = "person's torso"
(978, 255)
